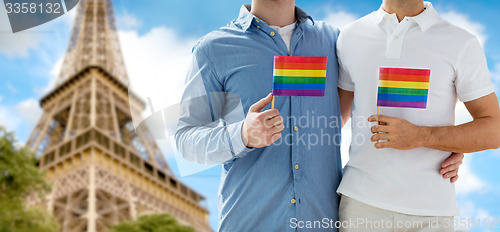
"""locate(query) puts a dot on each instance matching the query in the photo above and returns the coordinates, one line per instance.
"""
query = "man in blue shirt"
(281, 167)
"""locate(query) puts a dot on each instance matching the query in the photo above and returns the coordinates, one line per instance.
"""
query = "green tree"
(19, 177)
(152, 223)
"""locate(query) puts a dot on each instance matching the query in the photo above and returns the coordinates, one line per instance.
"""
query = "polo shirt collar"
(380, 15)
(425, 20)
(246, 18)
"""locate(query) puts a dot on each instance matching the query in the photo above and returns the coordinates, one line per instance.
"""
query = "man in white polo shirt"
(392, 183)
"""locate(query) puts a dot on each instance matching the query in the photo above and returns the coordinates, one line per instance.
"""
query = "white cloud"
(463, 21)
(127, 21)
(54, 74)
(468, 181)
(29, 110)
(469, 212)
(8, 119)
(340, 19)
(18, 44)
(157, 64)
(25, 112)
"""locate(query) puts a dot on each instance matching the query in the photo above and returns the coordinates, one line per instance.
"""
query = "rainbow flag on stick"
(299, 76)
(403, 87)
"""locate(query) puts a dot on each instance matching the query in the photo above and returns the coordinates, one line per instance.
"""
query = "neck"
(403, 8)
(275, 12)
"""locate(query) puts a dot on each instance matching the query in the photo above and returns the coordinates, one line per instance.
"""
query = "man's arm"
(209, 131)
(204, 135)
(345, 99)
(206, 142)
(449, 168)
(480, 134)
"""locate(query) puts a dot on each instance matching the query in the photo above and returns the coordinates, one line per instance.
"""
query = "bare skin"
(274, 12)
(482, 133)
(261, 129)
(403, 8)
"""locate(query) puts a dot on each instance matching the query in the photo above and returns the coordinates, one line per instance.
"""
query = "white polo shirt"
(406, 181)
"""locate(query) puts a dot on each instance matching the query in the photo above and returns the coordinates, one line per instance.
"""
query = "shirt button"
(256, 20)
(296, 166)
(295, 128)
(272, 33)
(258, 26)
(396, 37)
(293, 201)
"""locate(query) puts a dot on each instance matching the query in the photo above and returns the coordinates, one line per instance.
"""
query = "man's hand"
(261, 129)
(449, 168)
(398, 133)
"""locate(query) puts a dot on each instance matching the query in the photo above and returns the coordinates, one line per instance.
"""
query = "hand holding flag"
(261, 129)
(401, 88)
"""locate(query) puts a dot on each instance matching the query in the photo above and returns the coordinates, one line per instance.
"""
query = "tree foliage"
(152, 223)
(19, 177)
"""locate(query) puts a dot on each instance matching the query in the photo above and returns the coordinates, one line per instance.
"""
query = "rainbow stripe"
(403, 87)
(299, 76)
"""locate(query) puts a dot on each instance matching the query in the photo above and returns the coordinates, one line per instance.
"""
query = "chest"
(380, 50)
(247, 68)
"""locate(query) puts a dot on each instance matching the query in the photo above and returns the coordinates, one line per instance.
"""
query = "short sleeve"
(472, 75)
(345, 81)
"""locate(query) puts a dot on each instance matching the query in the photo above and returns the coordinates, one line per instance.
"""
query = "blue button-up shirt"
(292, 183)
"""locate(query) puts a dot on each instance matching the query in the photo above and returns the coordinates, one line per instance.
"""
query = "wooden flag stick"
(272, 104)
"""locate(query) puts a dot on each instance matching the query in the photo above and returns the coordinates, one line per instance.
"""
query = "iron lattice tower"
(102, 169)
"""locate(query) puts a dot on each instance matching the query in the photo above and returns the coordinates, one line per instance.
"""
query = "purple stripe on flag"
(403, 104)
(289, 92)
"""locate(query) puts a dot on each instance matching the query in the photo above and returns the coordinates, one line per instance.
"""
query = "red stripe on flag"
(406, 71)
(300, 59)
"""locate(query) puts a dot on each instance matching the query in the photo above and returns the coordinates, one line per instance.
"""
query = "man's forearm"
(210, 144)
(480, 134)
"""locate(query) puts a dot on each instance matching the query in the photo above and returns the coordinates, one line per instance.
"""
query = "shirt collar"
(245, 18)
(425, 19)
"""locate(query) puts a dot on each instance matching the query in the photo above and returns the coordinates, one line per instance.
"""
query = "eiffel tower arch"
(102, 169)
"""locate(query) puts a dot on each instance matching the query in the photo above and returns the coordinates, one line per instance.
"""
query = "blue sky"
(156, 38)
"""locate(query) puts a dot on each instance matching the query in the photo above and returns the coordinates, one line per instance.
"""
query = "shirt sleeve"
(472, 75)
(344, 82)
(207, 132)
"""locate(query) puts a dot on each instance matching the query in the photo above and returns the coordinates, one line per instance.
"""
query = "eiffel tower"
(102, 169)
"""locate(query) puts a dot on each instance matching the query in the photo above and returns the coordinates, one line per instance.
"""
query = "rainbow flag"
(403, 87)
(299, 76)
